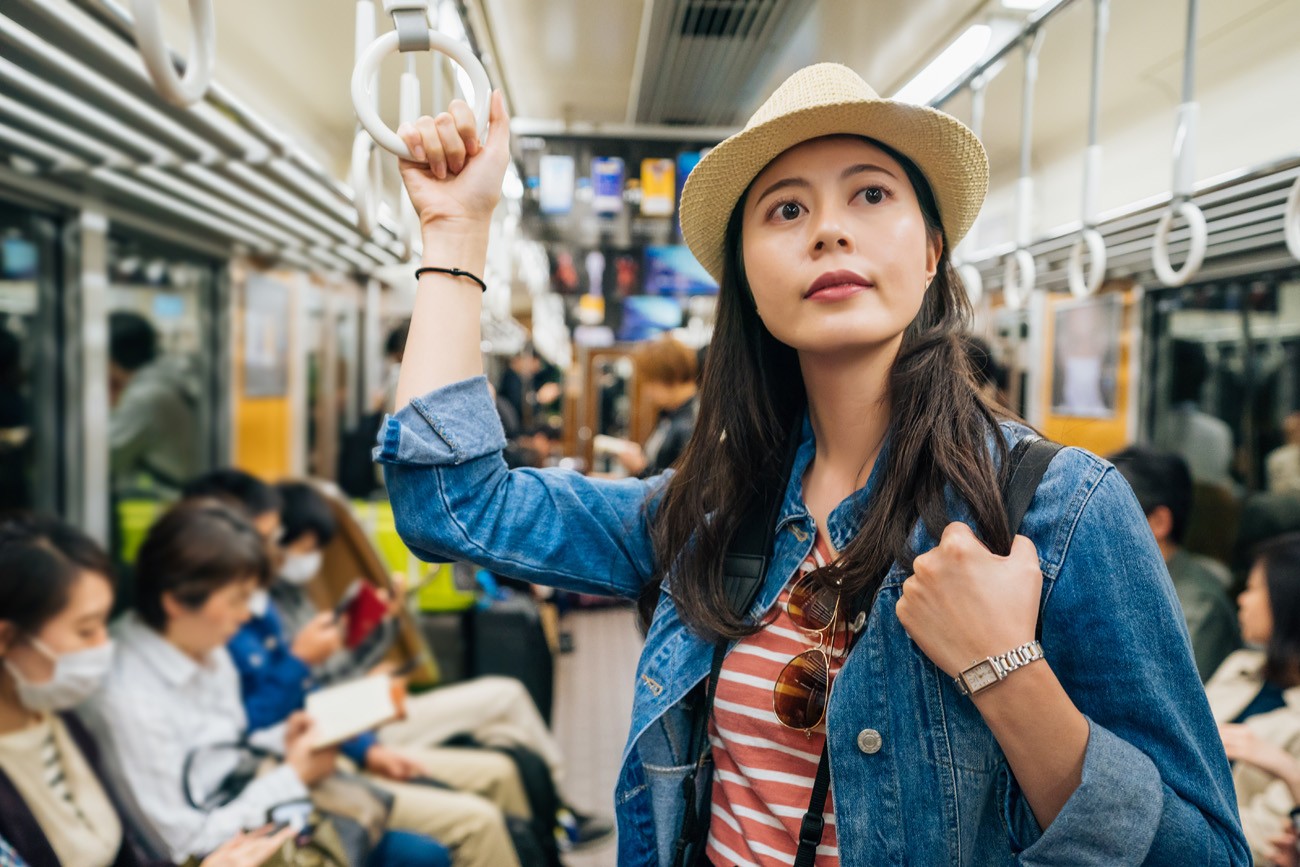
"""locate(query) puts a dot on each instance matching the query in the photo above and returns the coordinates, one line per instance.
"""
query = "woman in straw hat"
(836, 381)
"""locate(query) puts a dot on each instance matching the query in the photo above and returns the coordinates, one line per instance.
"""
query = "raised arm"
(453, 497)
(454, 188)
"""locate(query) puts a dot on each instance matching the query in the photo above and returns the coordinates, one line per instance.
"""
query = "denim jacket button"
(869, 741)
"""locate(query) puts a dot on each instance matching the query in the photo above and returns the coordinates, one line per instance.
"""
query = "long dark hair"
(753, 392)
(1280, 558)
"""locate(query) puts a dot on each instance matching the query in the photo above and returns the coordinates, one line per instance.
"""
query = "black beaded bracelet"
(455, 272)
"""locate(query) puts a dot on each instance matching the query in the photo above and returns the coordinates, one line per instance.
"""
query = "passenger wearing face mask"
(493, 710)
(307, 526)
(56, 590)
(275, 675)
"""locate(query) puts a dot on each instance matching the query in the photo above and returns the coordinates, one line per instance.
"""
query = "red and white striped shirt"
(763, 772)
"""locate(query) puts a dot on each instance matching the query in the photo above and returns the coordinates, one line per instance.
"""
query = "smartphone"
(293, 814)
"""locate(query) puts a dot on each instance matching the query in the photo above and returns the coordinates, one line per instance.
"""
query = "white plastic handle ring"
(367, 70)
(974, 283)
(1291, 220)
(1160, 246)
(180, 92)
(1082, 286)
(1018, 276)
(366, 178)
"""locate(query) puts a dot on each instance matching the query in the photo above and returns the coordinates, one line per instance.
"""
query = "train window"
(1222, 389)
(162, 354)
(28, 361)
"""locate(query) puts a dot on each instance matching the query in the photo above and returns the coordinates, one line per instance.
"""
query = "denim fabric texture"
(1156, 785)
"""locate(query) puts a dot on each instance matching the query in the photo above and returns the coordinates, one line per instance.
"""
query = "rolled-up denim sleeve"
(1156, 787)
(454, 499)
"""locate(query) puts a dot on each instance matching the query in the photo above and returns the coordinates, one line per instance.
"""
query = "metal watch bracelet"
(986, 672)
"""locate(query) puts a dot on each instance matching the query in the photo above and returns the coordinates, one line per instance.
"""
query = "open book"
(349, 709)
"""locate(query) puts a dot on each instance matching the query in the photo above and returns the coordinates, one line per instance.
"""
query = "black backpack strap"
(744, 568)
(1026, 464)
(814, 821)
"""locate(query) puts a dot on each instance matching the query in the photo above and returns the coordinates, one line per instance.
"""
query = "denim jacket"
(918, 777)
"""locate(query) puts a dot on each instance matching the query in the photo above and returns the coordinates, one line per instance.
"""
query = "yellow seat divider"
(437, 590)
(134, 518)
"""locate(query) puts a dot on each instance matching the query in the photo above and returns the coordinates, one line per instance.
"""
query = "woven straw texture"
(830, 99)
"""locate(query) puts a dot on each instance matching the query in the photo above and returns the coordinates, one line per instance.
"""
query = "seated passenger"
(307, 526)
(668, 372)
(153, 426)
(275, 674)
(1163, 487)
(494, 710)
(1255, 695)
(56, 590)
(173, 691)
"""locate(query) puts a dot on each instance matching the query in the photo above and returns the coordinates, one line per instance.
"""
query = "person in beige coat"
(1255, 698)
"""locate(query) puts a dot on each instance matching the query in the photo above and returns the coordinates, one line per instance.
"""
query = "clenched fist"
(963, 603)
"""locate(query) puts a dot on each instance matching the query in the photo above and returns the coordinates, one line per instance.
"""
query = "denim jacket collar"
(846, 518)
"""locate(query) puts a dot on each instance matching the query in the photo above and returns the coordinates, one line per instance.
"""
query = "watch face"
(979, 676)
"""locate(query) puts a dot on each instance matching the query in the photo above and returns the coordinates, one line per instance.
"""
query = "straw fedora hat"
(829, 99)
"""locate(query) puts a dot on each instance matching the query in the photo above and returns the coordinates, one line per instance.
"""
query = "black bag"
(507, 639)
(539, 786)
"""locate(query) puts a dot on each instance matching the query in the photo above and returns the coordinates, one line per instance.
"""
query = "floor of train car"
(593, 707)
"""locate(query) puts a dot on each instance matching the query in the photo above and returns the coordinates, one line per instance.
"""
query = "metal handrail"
(224, 116)
(1019, 273)
(970, 275)
(365, 175)
(1184, 176)
(1036, 20)
(1291, 220)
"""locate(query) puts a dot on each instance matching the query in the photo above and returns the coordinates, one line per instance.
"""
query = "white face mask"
(77, 676)
(259, 602)
(301, 568)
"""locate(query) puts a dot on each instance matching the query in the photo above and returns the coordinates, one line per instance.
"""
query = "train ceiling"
(577, 60)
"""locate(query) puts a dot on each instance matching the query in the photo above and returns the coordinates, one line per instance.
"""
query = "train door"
(167, 377)
(31, 384)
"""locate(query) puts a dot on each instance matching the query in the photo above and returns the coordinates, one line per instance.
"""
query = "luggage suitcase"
(508, 639)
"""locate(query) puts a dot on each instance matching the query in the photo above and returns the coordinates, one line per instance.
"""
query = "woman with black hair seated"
(56, 590)
(1255, 696)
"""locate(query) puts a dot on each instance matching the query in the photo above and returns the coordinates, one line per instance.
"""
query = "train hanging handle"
(1082, 284)
(181, 92)
(1184, 177)
(970, 275)
(366, 173)
(1019, 273)
(413, 33)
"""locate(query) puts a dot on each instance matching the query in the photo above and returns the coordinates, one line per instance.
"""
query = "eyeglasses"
(799, 695)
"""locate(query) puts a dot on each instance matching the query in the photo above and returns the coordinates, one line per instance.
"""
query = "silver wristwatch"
(987, 672)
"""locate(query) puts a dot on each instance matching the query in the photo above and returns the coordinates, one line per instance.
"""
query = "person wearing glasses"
(893, 581)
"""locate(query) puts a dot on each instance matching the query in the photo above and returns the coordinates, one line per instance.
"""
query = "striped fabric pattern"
(53, 764)
(763, 771)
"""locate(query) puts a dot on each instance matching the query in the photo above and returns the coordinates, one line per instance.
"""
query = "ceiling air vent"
(705, 55)
(721, 19)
